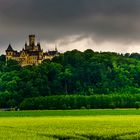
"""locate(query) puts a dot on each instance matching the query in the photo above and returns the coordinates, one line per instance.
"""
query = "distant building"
(32, 54)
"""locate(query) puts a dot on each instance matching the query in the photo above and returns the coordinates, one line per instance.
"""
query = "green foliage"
(86, 73)
(137, 104)
(80, 102)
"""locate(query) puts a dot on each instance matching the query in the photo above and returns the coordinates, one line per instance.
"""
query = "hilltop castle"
(32, 54)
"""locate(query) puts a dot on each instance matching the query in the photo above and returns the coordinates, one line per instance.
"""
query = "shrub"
(137, 105)
(81, 102)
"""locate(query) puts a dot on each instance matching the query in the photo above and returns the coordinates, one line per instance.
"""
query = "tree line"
(72, 73)
(67, 102)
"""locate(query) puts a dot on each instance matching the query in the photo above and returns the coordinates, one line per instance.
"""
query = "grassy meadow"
(75, 124)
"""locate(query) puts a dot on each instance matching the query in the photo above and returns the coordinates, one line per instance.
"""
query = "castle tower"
(31, 40)
(56, 48)
(9, 52)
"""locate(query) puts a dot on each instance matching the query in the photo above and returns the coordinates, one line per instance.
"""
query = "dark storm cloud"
(113, 20)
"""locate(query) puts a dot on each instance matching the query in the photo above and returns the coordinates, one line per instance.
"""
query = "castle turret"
(9, 52)
(56, 48)
(31, 40)
(39, 47)
(9, 48)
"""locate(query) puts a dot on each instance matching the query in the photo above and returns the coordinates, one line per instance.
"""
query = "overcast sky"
(102, 25)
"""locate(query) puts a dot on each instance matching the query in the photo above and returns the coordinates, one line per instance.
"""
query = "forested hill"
(74, 72)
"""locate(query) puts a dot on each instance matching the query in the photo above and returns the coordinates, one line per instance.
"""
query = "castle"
(32, 54)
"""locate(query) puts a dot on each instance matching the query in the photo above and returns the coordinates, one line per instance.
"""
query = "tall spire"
(9, 48)
(25, 43)
(56, 47)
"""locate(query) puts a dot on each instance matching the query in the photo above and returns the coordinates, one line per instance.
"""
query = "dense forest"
(72, 75)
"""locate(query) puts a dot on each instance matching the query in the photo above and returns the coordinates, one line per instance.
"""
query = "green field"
(65, 125)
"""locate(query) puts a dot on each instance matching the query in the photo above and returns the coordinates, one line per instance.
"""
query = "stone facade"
(31, 54)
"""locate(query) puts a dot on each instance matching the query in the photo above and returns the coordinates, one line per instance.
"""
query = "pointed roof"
(9, 48)
(25, 44)
(56, 48)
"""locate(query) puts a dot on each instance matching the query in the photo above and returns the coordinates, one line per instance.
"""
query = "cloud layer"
(106, 25)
